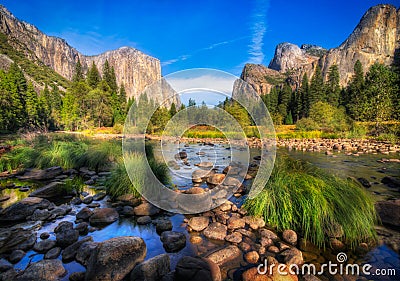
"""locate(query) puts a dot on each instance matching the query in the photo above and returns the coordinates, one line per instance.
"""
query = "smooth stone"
(84, 214)
(235, 237)
(36, 174)
(225, 255)
(197, 269)
(146, 209)
(70, 252)
(152, 269)
(216, 231)
(173, 241)
(16, 256)
(252, 257)
(67, 237)
(198, 223)
(144, 220)
(44, 270)
(85, 250)
(87, 199)
(44, 246)
(23, 209)
(52, 253)
(113, 259)
(290, 236)
(103, 216)
(235, 223)
(99, 196)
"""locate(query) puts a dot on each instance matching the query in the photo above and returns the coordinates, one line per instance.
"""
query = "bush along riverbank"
(78, 222)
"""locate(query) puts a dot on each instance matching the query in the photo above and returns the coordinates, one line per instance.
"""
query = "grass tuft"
(301, 197)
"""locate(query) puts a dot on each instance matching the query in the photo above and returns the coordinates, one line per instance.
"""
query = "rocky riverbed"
(47, 233)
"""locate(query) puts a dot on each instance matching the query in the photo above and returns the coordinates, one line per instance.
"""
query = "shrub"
(301, 197)
(307, 124)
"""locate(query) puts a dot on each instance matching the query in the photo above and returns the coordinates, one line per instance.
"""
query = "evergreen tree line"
(89, 102)
(371, 97)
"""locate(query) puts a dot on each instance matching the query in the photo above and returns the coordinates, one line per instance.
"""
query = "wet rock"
(16, 256)
(173, 241)
(273, 249)
(67, 237)
(128, 211)
(181, 155)
(391, 181)
(113, 259)
(146, 209)
(5, 265)
(36, 174)
(216, 179)
(163, 225)
(103, 216)
(4, 198)
(291, 256)
(87, 199)
(196, 239)
(93, 205)
(230, 181)
(99, 196)
(44, 246)
(151, 270)
(22, 209)
(76, 201)
(10, 274)
(253, 275)
(85, 250)
(389, 211)
(77, 276)
(198, 223)
(235, 237)
(254, 222)
(84, 214)
(52, 253)
(129, 199)
(245, 247)
(40, 215)
(266, 242)
(198, 176)
(61, 210)
(269, 234)
(63, 226)
(204, 164)
(144, 220)
(16, 239)
(364, 182)
(216, 231)
(247, 233)
(70, 252)
(337, 245)
(251, 257)
(225, 255)
(235, 223)
(82, 228)
(44, 270)
(195, 190)
(290, 236)
(51, 190)
(225, 207)
(197, 269)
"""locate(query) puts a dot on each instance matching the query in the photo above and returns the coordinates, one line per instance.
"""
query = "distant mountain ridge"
(375, 39)
(133, 68)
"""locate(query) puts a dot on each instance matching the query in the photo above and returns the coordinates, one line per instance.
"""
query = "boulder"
(84, 214)
(44, 270)
(389, 212)
(22, 209)
(128, 211)
(87, 199)
(113, 259)
(36, 174)
(69, 252)
(44, 246)
(151, 270)
(235, 237)
(5, 265)
(173, 241)
(67, 237)
(16, 256)
(16, 239)
(216, 231)
(144, 220)
(103, 216)
(85, 250)
(99, 196)
(146, 209)
(254, 222)
(235, 223)
(199, 223)
(163, 225)
(52, 253)
(216, 179)
(40, 215)
(225, 255)
(290, 236)
(197, 269)
(51, 190)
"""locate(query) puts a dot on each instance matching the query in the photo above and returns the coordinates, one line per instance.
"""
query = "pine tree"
(356, 93)
(304, 97)
(78, 74)
(109, 76)
(332, 86)
(316, 87)
(93, 76)
(172, 110)
(285, 96)
(31, 107)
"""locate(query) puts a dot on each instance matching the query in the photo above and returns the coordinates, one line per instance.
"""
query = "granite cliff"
(133, 68)
(375, 39)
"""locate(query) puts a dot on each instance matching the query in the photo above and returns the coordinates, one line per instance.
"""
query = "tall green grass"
(67, 151)
(119, 182)
(301, 197)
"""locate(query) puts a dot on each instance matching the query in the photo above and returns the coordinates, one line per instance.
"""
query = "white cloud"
(258, 27)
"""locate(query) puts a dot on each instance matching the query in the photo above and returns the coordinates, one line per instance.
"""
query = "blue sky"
(188, 34)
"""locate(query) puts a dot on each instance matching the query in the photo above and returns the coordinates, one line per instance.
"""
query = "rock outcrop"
(375, 39)
(133, 68)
